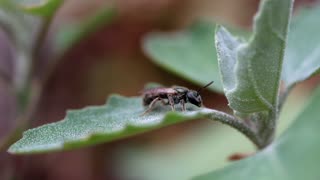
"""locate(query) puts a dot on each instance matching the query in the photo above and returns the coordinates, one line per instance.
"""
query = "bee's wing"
(159, 90)
(176, 86)
(180, 89)
(150, 86)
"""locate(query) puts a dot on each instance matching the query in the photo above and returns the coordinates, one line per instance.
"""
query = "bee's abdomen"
(147, 99)
(151, 94)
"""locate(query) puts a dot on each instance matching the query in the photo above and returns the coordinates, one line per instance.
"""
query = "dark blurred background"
(111, 60)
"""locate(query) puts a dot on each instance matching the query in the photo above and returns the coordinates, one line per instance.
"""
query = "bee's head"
(194, 98)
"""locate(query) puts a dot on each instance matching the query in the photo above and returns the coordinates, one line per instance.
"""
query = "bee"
(171, 96)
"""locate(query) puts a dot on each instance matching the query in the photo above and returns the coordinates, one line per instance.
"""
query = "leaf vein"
(256, 89)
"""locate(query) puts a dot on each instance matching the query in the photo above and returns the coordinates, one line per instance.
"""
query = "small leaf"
(302, 58)
(69, 34)
(119, 118)
(251, 71)
(45, 8)
(188, 54)
(294, 156)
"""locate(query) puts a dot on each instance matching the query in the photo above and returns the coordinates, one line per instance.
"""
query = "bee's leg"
(183, 105)
(171, 102)
(151, 105)
(164, 102)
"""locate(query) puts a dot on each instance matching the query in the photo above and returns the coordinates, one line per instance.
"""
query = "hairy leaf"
(302, 58)
(251, 70)
(188, 54)
(293, 156)
(44, 8)
(120, 117)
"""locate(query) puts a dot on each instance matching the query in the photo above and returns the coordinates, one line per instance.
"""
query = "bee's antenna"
(205, 86)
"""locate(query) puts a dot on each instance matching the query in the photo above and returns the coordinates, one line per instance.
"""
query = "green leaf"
(69, 34)
(294, 156)
(189, 54)
(302, 58)
(119, 118)
(251, 70)
(44, 8)
(207, 147)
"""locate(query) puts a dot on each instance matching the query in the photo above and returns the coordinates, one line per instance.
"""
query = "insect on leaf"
(188, 54)
(119, 118)
(251, 70)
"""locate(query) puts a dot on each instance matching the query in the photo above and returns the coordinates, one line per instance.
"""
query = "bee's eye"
(194, 98)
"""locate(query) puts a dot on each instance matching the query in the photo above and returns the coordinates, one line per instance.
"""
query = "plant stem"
(266, 122)
(244, 127)
(24, 119)
(266, 126)
(36, 87)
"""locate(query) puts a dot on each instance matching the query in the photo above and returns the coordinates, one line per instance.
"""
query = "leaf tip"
(11, 150)
(218, 27)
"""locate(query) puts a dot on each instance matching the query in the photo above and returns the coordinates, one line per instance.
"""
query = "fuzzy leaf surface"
(251, 70)
(119, 118)
(293, 156)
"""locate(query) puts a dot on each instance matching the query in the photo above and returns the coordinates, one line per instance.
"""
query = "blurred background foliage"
(91, 63)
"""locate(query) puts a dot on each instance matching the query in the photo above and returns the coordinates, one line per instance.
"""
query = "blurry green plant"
(251, 71)
(27, 24)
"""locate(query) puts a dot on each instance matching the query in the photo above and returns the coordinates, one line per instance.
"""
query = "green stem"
(266, 122)
(36, 86)
(24, 119)
(266, 126)
(241, 125)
